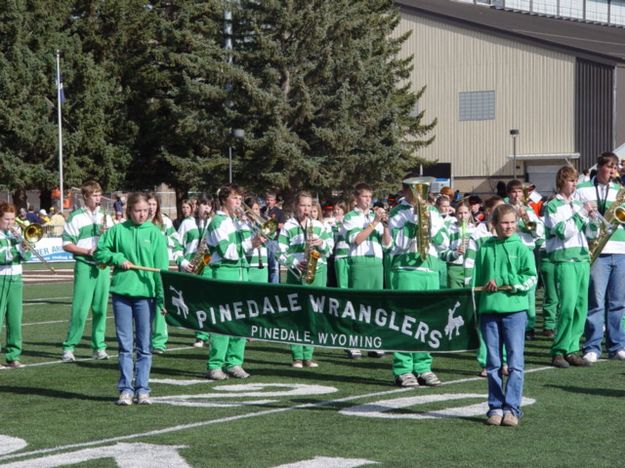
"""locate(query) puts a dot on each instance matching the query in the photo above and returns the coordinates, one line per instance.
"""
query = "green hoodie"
(509, 263)
(141, 244)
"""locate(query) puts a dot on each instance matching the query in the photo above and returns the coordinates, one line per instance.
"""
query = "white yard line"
(57, 321)
(195, 425)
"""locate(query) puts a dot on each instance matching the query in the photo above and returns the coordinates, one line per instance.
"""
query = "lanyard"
(601, 203)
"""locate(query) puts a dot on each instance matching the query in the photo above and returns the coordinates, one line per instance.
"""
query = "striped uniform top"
(229, 242)
(174, 247)
(190, 232)
(83, 228)
(567, 229)
(588, 191)
(481, 233)
(341, 247)
(404, 230)
(457, 236)
(292, 242)
(535, 237)
(256, 258)
(354, 223)
(12, 254)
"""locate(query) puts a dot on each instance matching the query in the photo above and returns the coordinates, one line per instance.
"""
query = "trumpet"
(529, 225)
(32, 234)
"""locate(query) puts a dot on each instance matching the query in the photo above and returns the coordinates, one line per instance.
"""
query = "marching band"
(419, 244)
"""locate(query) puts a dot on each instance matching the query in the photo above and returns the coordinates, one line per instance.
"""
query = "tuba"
(420, 187)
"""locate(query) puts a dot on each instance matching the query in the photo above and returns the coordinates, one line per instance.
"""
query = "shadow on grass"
(604, 392)
(50, 393)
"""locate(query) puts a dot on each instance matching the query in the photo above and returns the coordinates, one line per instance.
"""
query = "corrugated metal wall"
(593, 109)
(535, 93)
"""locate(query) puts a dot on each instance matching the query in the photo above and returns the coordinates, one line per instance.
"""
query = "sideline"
(195, 425)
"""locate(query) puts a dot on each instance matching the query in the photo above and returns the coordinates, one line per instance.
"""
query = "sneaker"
(376, 354)
(560, 362)
(216, 374)
(100, 355)
(549, 333)
(144, 399)
(2, 367)
(353, 353)
(198, 344)
(68, 356)
(575, 360)
(429, 379)
(237, 372)
(125, 399)
(309, 363)
(619, 355)
(494, 420)
(591, 357)
(483, 373)
(510, 419)
(158, 351)
(406, 380)
(297, 364)
(14, 364)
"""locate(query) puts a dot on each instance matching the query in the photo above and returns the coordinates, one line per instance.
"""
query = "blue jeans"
(272, 265)
(509, 330)
(606, 305)
(140, 311)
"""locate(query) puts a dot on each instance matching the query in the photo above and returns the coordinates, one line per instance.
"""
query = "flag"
(60, 90)
(406, 321)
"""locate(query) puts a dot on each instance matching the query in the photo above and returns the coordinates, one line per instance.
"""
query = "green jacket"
(510, 263)
(143, 245)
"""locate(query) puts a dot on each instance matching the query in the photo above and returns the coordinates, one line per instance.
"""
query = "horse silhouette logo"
(453, 323)
(178, 303)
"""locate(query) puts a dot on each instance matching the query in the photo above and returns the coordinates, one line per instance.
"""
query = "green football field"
(345, 413)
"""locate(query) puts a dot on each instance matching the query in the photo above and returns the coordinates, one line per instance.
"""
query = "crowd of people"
(504, 247)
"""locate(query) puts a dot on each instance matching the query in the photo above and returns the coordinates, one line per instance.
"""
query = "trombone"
(32, 234)
(263, 227)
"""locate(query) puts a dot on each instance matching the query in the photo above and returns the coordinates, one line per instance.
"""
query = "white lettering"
(294, 303)
(201, 317)
(349, 311)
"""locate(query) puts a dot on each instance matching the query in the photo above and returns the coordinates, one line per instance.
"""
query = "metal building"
(509, 87)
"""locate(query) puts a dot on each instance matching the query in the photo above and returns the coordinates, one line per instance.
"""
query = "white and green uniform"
(160, 334)
(11, 290)
(341, 251)
(587, 191)
(409, 273)
(567, 247)
(532, 239)
(83, 228)
(229, 244)
(458, 235)
(366, 270)
(190, 232)
(292, 249)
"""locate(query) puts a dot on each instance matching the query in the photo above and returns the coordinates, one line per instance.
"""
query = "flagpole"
(58, 106)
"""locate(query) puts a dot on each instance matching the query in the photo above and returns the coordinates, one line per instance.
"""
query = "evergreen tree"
(331, 103)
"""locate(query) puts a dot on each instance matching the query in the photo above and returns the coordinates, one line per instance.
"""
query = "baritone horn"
(420, 188)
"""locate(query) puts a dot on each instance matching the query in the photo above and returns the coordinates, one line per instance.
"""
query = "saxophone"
(310, 255)
(202, 256)
(614, 216)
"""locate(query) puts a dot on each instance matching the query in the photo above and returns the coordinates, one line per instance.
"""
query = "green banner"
(406, 321)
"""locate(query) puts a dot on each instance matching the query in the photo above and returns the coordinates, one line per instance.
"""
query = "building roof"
(600, 43)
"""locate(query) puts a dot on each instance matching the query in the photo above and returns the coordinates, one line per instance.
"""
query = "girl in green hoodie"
(506, 270)
(137, 294)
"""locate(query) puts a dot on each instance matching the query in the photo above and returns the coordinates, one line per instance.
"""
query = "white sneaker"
(353, 353)
(620, 355)
(100, 355)
(68, 356)
(216, 374)
(125, 399)
(591, 357)
(406, 380)
(144, 399)
(198, 344)
(237, 372)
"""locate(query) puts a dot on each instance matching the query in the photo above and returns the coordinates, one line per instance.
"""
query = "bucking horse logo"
(453, 323)
(178, 303)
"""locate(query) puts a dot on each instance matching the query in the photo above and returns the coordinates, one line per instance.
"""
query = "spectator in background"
(22, 217)
(501, 189)
(43, 215)
(119, 217)
(57, 220)
(32, 217)
(118, 204)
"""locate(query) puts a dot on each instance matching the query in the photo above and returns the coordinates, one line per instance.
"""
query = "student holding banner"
(299, 235)
(410, 272)
(137, 294)
(229, 243)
